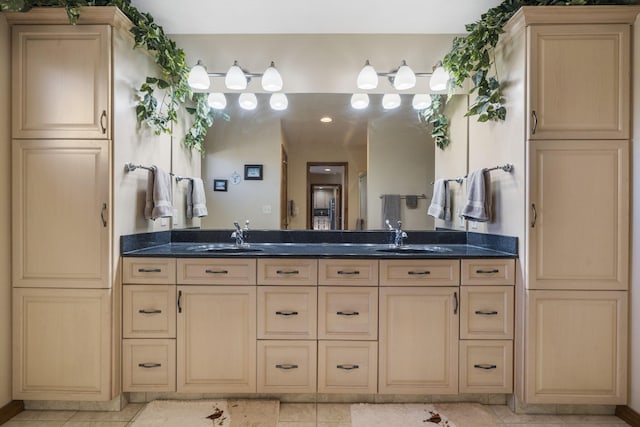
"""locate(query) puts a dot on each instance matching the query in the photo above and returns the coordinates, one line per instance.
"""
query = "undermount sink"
(227, 249)
(415, 250)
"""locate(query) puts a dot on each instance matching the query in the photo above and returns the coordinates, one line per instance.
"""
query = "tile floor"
(298, 415)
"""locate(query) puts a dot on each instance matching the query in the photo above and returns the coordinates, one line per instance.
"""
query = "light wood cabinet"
(347, 367)
(149, 311)
(149, 271)
(486, 366)
(287, 366)
(149, 365)
(418, 344)
(61, 81)
(216, 339)
(287, 312)
(579, 229)
(347, 313)
(61, 205)
(579, 81)
(216, 271)
(577, 344)
(62, 341)
(347, 272)
(292, 272)
(486, 312)
(420, 272)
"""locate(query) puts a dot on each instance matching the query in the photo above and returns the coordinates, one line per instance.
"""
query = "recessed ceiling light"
(326, 119)
(327, 169)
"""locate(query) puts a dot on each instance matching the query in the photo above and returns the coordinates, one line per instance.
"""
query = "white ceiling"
(315, 17)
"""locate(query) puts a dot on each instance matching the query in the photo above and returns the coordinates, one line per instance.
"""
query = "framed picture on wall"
(219, 185)
(253, 172)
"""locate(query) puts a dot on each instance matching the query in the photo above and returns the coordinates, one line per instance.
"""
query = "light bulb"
(368, 78)
(279, 101)
(359, 101)
(248, 101)
(271, 79)
(217, 101)
(421, 101)
(235, 78)
(439, 78)
(198, 77)
(405, 77)
(391, 101)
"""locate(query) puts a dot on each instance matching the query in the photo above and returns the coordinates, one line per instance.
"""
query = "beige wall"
(5, 218)
(400, 161)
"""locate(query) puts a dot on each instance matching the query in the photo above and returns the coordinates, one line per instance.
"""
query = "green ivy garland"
(172, 87)
(433, 116)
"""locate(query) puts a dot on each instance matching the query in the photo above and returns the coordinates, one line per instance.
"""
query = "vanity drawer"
(216, 271)
(300, 272)
(287, 366)
(149, 311)
(348, 313)
(486, 312)
(287, 312)
(348, 272)
(419, 272)
(347, 367)
(486, 366)
(488, 271)
(156, 271)
(149, 365)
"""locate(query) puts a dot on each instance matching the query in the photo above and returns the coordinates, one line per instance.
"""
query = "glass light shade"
(359, 101)
(235, 78)
(279, 101)
(271, 79)
(248, 101)
(391, 101)
(421, 101)
(405, 77)
(439, 79)
(198, 78)
(217, 101)
(368, 78)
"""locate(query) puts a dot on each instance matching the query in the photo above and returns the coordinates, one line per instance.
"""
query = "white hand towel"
(148, 206)
(478, 207)
(440, 207)
(390, 209)
(162, 206)
(198, 207)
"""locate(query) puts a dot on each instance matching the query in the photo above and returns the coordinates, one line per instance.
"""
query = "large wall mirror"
(328, 175)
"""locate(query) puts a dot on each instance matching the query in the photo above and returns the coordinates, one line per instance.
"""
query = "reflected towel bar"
(130, 167)
(507, 168)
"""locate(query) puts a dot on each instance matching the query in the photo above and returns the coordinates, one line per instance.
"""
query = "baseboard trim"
(628, 415)
(10, 410)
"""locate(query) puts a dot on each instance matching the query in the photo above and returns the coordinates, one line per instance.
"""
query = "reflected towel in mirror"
(390, 209)
(440, 207)
(196, 201)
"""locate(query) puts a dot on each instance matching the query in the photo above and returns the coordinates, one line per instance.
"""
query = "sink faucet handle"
(389, 226)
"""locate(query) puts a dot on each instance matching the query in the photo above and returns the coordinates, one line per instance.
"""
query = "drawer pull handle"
(456, 303)
(152, 311)
(347, 313)
(149, 365)
(418, 273)
(287, 366)
(485, 366)
(103, 119)
(287, 272)
(348, 273)
(493, 271)
(347, 367)
(149, 270)
(216, 271)
(486, 312)
(287, 313)
(179, 301)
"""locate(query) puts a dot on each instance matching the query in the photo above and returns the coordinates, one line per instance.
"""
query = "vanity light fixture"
(271, 79)
(248, 101)
(278, 101)
(199, 77)
(368, 77)
(402, 78)
(421, 101)
(217, 100)
(359, 101)
(439, 78)
(235, 78)
(405, 78)
(391, 101)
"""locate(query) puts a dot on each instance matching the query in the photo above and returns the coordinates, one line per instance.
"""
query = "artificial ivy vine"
(433, 116)
(159, 98)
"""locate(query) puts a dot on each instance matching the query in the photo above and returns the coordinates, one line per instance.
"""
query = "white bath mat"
(398, 415)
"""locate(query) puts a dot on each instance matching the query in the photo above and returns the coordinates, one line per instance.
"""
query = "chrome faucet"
(241, 234)
(397, 235)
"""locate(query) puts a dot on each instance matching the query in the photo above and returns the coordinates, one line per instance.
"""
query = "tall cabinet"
(570, 142)
(72, 97)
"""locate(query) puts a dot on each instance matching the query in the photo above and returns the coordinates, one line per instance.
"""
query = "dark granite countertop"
(318, 244)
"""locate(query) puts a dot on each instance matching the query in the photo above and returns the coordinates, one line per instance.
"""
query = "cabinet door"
(61, 344)
(579, 81)
(579, 215)
(418, 340)
(61, 76)
(61, 214)
(576, 345)
(216, 339)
